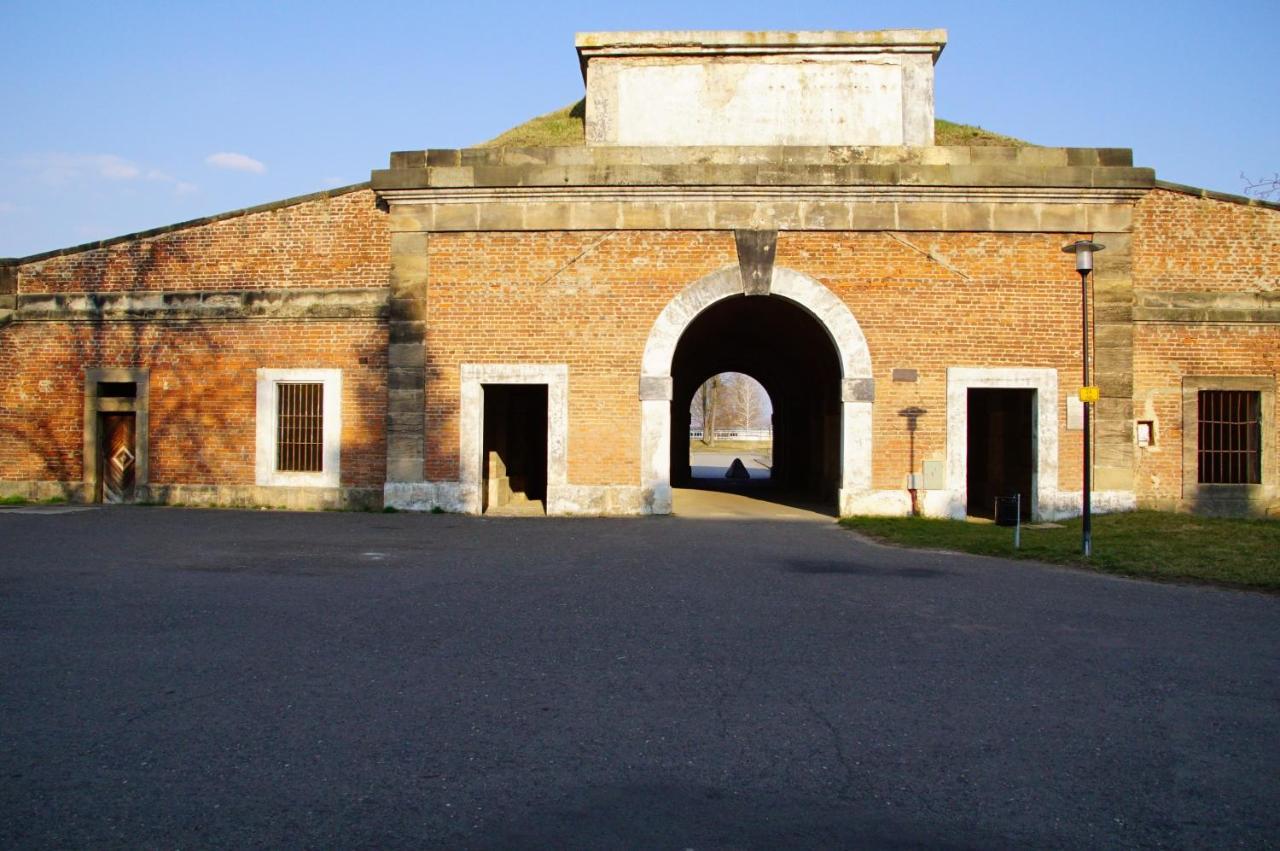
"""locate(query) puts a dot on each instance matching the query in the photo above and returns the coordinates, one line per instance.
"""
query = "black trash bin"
(1008, 509)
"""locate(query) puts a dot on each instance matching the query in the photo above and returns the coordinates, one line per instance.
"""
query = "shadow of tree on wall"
(52, 430)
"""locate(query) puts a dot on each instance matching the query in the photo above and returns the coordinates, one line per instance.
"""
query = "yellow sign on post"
(1089, 395)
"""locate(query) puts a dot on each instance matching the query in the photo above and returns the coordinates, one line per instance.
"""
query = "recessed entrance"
(780, 345)
(1001, 448)
(515, 449)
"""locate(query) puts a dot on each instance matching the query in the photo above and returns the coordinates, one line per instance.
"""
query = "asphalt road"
(177, 678)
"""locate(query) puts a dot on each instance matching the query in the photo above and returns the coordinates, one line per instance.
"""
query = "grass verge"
(22, 500)
(1238, 553)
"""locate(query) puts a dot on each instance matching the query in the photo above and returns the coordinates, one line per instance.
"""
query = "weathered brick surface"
(1182, 243)
(1163, 356)
(925, 301)
(335, 242)
(587, 299)
(1190, 244)
(987, 300)
(203, 391)
(590, 300)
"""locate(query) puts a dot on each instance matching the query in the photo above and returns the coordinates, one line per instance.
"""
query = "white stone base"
(1066, 504)
(562, 500)
(425, 496)
(594, 500)
(881, 503)
(1057, 505)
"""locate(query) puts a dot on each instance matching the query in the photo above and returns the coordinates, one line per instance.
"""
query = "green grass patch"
(566, 128)
(758, 447)
(14, 500)
(1241, 553)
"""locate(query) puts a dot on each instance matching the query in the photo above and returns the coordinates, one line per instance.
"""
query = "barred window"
(300, 427)
(1230, 437)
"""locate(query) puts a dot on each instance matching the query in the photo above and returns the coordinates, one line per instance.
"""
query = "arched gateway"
(656, 382)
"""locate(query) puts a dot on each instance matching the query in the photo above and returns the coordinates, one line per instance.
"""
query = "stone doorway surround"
(857, 390)
(471, 428)
(139, 405)
(1049, 503)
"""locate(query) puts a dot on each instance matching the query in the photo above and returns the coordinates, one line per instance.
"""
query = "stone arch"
(656, 386)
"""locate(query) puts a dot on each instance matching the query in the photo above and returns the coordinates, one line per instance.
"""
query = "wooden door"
(118, 457)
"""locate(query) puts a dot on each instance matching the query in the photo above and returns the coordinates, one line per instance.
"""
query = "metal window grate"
(1229, 437)
(300, 427)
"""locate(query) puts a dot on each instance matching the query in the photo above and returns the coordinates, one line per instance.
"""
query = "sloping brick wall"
(326, 243)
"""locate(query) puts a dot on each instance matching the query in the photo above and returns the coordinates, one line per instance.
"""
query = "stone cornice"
(773, 156)
(762, 194)
(776, 175)
(203, 305)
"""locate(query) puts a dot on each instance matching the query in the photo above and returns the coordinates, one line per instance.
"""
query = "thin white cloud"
(235, 162)
(56, 167)
(7, 207)
(184, 188)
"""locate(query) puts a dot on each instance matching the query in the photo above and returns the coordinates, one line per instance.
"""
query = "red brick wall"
(587, 299)
(988, 300)
(1163, 355)
(1185, 243)
(329, 243)
(590, 300)
(203, 393)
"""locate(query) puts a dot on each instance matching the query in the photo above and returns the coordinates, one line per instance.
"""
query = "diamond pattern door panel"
(118, 457)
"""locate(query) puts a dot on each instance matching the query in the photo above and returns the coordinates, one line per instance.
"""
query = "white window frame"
(265, 472)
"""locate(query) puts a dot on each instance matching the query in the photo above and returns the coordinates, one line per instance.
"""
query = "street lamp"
(1083, 249)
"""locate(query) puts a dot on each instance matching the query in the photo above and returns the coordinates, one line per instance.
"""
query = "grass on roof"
(564, 128)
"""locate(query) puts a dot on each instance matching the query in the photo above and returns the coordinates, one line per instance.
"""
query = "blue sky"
(123, 116)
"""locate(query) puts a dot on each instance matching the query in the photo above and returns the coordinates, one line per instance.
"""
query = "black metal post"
(1087, 527)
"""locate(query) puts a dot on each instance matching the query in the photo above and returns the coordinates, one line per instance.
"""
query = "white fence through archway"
(734, 434)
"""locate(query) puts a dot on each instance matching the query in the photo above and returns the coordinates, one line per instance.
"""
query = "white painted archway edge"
(656, 386)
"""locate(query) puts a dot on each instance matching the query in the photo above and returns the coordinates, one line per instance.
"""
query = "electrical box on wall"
(935, 478)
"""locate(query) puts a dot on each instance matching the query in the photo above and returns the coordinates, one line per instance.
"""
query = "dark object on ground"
(737, 470)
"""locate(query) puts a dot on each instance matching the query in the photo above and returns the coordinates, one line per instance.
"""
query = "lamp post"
(1084, 249)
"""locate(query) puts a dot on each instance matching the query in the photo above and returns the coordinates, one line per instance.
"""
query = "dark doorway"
(515, 448)
(117, 457)
(788, 351)
(1001, 449)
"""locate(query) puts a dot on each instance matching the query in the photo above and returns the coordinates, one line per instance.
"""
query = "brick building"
(767, 203)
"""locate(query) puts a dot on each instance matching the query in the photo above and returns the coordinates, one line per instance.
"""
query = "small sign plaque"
(1089, 395)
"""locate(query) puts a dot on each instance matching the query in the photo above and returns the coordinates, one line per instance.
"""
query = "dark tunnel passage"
(788, 351)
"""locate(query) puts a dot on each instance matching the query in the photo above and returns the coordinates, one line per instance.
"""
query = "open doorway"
(731, 430)
(515, 449)
(788, 354)
(1001, 449)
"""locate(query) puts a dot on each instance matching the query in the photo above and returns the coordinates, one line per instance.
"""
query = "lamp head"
(1083, 249)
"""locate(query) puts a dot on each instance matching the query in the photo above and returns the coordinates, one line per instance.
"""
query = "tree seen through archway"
(730, 416)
